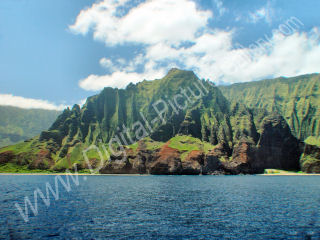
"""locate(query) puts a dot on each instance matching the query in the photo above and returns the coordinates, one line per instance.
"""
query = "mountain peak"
(177, 71)
(176, 78)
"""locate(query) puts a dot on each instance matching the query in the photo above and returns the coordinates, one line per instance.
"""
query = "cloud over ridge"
(177, 34)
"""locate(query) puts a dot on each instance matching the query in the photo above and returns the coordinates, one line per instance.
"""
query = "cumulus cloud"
(118, 79)
(28, 103)
(176, 34)
(281, 56)
(150, 22)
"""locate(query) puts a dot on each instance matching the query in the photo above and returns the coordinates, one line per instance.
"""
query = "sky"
(56, 53)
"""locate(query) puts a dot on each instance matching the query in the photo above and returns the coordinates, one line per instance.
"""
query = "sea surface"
(164, 207)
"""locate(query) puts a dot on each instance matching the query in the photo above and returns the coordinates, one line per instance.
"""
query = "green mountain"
(174, 125)
(297, 99)
(17, 124)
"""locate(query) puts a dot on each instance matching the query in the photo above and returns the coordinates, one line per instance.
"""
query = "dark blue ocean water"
(166, 207)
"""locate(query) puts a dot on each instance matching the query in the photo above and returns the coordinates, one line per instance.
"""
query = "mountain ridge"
(19, 124)
(240, 136)
(294, 98)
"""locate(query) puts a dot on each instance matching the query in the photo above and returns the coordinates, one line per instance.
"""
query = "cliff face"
(275, 148)
(182, 125)
(310, 159)
(297, 99)
(179, 103)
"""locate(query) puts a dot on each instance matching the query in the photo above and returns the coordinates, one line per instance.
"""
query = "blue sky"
(57, 53)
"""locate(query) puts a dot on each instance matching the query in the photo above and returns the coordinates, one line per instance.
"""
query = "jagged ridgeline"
(297, 99)
(130, 114)
(177, 103)
(174, 125)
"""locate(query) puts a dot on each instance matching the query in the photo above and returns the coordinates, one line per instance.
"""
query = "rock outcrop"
(277, 147)
(243, 158)
(310, 159)
(6, 157)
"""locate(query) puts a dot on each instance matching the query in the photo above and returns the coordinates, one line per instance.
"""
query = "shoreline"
(289, 174)
(64, 174)
(89, 174)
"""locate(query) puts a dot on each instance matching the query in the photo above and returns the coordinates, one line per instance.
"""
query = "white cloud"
(117, 79)
(150, 22)
(285, 56)
(107, 63)
(28, 103)
(190, 44)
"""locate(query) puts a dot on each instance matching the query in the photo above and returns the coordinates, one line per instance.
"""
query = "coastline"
(64, 174)
(88, 174)
(289, 174)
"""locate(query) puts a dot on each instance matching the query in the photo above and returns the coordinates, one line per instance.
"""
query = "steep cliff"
(297, 99)
(174, 125)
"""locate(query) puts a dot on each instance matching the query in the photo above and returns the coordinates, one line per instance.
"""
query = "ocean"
(161, 207)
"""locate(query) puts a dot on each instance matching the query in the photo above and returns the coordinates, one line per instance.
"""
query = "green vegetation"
(151, 144)
(297, 99)
(207, 120)
(313, 141)
(17, 124)
(187, 144)
(281, 172)
(183, 143)
(104, 115)
(134, 146)
(14, 168)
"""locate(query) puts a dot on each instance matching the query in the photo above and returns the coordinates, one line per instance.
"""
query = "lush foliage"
(313, 141)
(17, 124)
(297, 99)
(207, 120)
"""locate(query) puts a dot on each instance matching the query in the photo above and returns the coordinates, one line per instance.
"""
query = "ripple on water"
(166, 207)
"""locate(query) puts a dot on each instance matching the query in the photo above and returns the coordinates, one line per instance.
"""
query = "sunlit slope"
(297, 99)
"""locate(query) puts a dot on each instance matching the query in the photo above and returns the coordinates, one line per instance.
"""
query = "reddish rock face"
(241, 153)
(167, 152)
(195, 156)
(242, 157)
(192, 164)
(6, 157)
(168, 161)
(42, 160)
